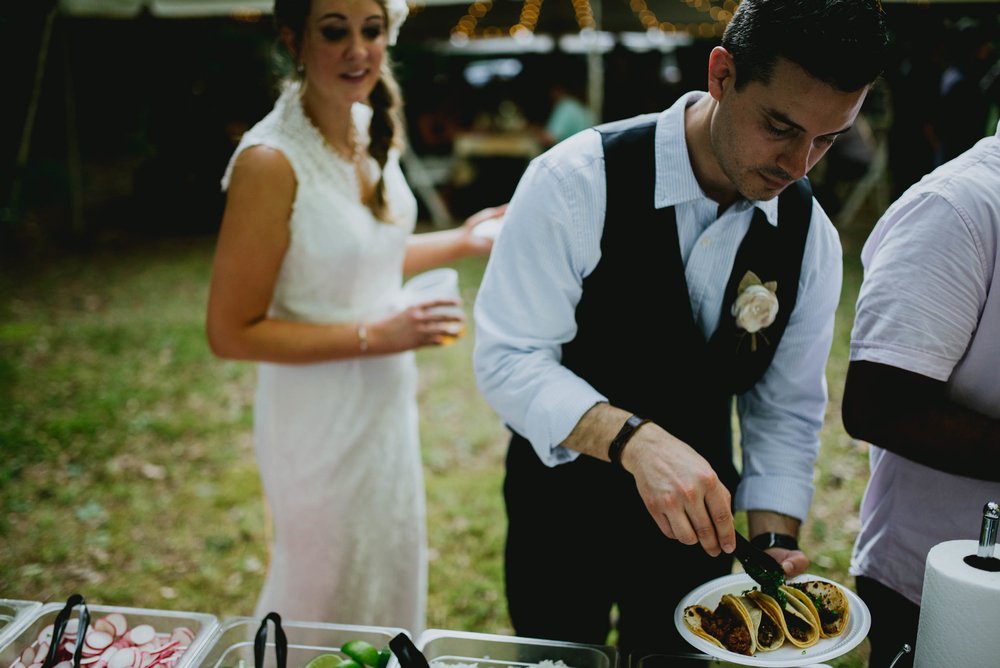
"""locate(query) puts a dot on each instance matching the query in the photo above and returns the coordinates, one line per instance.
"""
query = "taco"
(728, 626)
(766, 633)
(828, 604)
(796, 619)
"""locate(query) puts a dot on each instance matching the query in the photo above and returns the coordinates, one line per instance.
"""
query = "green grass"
(126, 462)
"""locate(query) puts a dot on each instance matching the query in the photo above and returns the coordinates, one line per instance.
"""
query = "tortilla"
(796, 620)
(728, 626)
(766, 633)
(827, 603)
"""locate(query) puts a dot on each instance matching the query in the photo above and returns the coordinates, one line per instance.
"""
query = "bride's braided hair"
(385, 132)
(386, 128)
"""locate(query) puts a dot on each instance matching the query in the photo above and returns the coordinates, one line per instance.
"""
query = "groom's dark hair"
(840, 42)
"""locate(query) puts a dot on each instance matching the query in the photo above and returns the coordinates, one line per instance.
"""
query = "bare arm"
(911, 415)
(680, 489)
(432, 249)
(252, 243)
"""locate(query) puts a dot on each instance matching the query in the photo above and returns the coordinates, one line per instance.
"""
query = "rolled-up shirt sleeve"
(526, 307)
(781, 416)
(925, 286)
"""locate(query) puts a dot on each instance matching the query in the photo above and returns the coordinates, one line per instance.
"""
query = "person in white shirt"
(648, 273)
(922, 384)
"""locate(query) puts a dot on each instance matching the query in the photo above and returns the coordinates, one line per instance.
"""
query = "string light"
(720, 15)
(469, 26)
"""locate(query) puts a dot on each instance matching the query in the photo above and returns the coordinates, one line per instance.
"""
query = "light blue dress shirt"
(525, 310)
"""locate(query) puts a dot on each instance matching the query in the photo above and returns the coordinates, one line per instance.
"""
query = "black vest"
(637, 342)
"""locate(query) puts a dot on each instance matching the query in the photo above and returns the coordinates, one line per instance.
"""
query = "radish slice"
(17, 664)
(72, 627)
(169, 647)
(45, 635)
(88, 660)
(104, 626)
(142, 634)
(183, 635)
(117, 620)
(28, 656)
(98, 640)
(123, 658)
(64, 664)
(69, 647)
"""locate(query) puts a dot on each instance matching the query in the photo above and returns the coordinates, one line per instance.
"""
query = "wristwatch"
(770, 539)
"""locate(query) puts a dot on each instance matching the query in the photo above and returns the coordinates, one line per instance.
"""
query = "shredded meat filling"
(767, 632)
(798, 628)
(730, 629)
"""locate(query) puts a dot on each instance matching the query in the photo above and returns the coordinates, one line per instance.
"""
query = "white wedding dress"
(337, 443)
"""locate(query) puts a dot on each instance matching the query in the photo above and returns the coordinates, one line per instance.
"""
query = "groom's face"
(768, 135)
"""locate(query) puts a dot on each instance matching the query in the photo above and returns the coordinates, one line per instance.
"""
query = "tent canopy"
(126, 9)
(433, 19)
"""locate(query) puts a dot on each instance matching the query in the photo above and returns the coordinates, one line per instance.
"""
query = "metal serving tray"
(232, 641)
(14, 613)
(496, 651)
(164, 621)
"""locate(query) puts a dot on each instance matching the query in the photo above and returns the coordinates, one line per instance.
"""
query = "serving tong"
(762, 568)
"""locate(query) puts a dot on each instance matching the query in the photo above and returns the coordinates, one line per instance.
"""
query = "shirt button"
(704, 241)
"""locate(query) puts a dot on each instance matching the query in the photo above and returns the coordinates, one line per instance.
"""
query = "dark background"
(149, 109)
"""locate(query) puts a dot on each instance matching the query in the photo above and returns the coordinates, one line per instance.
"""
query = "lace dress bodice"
(342, 264)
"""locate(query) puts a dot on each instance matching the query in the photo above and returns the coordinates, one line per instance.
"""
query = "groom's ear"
(721, 73)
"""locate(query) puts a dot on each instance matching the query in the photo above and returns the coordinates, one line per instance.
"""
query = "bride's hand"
(480, 244)
(415, 327)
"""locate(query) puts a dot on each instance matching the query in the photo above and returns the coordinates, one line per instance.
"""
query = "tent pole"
(24, 148)
(595, 68)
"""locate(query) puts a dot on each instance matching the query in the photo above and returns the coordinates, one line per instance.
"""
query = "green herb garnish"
(770, 582)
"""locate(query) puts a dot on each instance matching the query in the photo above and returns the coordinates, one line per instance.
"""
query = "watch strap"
(770, 539)
(622, 438)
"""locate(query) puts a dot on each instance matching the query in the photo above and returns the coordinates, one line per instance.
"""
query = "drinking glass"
(432, 285)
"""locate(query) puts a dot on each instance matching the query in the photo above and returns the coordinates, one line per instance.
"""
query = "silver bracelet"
(363, 337)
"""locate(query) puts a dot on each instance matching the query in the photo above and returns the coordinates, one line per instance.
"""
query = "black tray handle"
(260, 642)
(59, 628)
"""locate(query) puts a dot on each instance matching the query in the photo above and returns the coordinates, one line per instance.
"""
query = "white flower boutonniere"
(756, 306)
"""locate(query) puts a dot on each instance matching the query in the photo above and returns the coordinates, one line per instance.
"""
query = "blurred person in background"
(569, 113)
(315, 239)
(630, 299)
(960, 111)
(922, 384)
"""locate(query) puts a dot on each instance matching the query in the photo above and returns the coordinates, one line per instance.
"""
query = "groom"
(650, 271)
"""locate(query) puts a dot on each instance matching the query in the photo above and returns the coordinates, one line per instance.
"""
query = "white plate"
(710, 593)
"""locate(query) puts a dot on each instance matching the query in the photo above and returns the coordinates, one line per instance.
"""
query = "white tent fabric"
(126, 9)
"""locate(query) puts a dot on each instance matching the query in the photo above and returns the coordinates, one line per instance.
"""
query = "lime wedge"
(349, 663)
(383, 657)
(362, 652)
(324, 661)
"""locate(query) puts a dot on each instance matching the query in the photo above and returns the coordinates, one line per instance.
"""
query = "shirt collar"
(675, 180)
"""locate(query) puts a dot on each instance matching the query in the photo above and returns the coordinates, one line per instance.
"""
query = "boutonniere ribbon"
(756, 306)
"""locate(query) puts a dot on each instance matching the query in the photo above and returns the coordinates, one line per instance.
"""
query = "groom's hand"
(680, 489)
